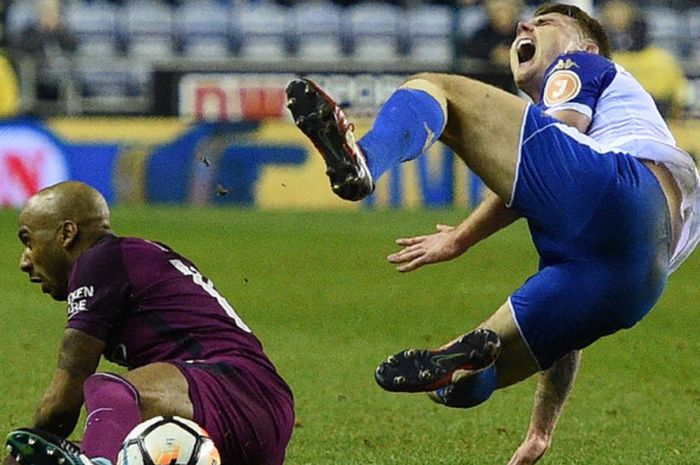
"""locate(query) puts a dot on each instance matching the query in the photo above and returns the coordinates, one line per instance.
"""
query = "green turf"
(316, 289)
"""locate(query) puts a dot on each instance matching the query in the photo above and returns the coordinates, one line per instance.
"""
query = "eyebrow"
(541, 19)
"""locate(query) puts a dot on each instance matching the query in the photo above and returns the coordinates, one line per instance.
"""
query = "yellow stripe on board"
(110, 129)
(298, 187)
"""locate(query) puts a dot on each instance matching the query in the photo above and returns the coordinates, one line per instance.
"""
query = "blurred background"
(182, 101)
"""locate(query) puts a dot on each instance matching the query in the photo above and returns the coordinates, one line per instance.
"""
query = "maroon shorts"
(246, 408)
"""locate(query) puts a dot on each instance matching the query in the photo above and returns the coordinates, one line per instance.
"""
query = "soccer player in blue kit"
(610, 201)
(141, 305)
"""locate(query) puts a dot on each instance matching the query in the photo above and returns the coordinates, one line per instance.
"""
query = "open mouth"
(526, 50)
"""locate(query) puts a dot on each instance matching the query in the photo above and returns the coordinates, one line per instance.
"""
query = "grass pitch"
(317, 291)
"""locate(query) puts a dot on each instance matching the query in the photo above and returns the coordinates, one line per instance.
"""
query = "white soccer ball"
(168, 441)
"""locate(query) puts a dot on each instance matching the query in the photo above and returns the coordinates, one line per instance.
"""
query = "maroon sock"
(112, 405)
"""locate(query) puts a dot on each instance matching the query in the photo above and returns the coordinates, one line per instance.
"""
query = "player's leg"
(115, 405)
(245, 407)
(480, 122)
(483, 126)
(325, 124)
(601, 224)
(563, 307)
(491, 356)
(247, 411)
(515, 363)
(163, 390)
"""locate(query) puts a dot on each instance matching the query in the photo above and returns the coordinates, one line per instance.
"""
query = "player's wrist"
(540, 436)
(462, 240)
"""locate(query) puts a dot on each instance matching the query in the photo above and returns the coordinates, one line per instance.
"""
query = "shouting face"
(537, 44)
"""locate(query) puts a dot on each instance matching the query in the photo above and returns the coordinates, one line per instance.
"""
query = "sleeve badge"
(561, 87)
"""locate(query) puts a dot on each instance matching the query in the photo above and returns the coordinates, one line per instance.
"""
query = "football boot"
(32, 446)
(322, 120)
(417, 370)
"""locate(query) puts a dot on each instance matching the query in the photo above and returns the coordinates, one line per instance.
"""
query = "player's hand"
(530, 451)
(424, 250)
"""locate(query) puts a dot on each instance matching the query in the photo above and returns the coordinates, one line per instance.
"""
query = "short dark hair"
(590, 26)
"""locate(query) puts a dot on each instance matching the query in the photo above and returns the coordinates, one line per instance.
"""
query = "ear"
(69, 233)
(591, 47)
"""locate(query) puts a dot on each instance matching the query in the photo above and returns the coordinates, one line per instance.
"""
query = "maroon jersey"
(150, 304)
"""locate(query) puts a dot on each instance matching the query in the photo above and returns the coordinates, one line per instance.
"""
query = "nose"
(25, 264)
(524, 26)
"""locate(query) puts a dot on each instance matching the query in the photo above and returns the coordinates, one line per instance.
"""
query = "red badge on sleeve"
(561, 87)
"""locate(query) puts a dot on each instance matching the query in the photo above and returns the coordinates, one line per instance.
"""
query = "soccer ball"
(168, 441)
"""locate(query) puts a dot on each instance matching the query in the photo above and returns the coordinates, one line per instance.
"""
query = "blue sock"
(470, 392)
(408, 123)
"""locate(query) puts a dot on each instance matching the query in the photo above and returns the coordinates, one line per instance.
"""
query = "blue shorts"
(601, 225)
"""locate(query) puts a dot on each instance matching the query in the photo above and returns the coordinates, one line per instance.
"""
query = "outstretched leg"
(466, 371)
(484, 126)
(414, 370)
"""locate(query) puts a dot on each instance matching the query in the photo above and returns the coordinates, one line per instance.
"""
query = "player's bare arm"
(78, 357)
(449, 242)
(553, 388)
(574, 119)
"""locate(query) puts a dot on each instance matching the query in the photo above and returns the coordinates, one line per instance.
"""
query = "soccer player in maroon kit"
(141, 305)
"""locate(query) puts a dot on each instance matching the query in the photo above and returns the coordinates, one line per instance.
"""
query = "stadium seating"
(668, 29)
(469, 20)
(119, 42)
(693, 16)
(317, 31)
(263, 29)
(20, 15)
(148, 28)
(100, 78)
(205, 29)
(95, 26)
(430, 29)
(375, 31)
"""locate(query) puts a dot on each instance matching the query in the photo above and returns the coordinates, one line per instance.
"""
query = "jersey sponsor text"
(77, 300)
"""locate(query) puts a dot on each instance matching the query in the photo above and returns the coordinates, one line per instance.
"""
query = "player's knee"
(431, 84)
(163, 390)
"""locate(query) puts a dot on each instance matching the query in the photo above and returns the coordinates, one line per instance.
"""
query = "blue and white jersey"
(624, 118)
